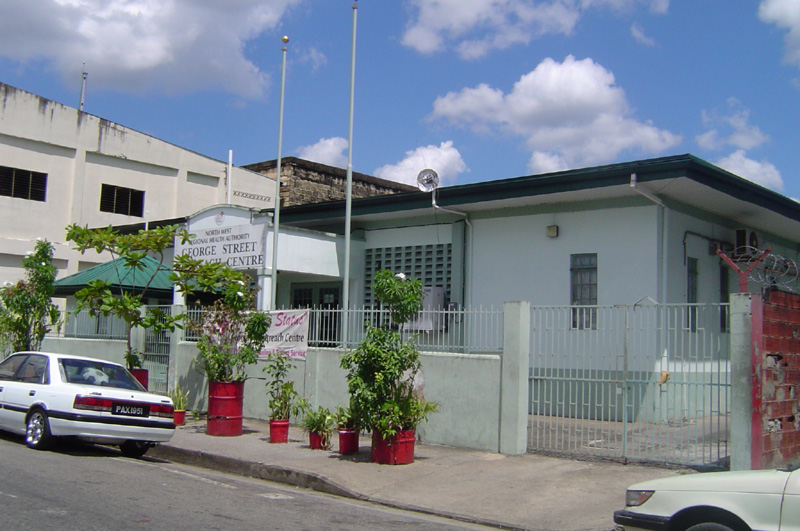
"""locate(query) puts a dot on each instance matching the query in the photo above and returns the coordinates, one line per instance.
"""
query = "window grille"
(120, 200)
(23, 184)
(429, 263)
(583, 288)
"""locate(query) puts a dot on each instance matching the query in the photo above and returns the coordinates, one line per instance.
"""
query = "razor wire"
(767, 269)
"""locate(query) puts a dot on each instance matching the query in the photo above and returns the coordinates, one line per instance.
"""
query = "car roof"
(59, 355)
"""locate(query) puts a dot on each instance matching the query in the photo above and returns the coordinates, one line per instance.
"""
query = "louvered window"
(120, 200)
(23, 184)
(429, 263)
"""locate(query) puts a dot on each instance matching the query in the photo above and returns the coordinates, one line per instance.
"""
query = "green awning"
(132, 279)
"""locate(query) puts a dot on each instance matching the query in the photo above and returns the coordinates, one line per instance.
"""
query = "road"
(85, 487)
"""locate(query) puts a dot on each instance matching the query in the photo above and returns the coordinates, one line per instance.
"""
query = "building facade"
(59, 166)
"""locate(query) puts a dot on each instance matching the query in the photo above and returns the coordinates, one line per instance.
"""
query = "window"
(429, 263)
(691, 292)
(23, 184)
(583, 287)
(119, 200)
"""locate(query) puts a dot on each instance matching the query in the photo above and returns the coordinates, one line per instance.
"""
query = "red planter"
(396, 450)
(317, 441)
(348, 441)
(179, 417)
(141, 376)
(278, 431)
(225, 403)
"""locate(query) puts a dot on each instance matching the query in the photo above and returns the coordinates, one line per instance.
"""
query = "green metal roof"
(132, 279)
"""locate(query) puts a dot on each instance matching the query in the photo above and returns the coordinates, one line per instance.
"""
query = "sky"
(477, 90)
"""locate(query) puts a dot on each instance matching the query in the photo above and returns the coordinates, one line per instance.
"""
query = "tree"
(129, 254)
(27, 312)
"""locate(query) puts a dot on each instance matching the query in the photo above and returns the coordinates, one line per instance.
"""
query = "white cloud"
(784, 14)
(760, 172)
(444, 159)
(330, 151)
(171, 46)
(476, 27)
(730, 127)
(570, 114)
(639, 35)
(316, 58)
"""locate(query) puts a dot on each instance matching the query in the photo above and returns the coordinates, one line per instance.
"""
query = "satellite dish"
(427, 180)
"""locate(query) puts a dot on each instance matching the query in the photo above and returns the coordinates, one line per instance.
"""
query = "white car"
(763, 500)
(45, 395)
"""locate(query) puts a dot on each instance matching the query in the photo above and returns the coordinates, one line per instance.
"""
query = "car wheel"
(37, 431)
(134, 448)
(709, 526)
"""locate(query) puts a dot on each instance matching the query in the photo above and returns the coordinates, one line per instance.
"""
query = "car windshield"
(89, 372)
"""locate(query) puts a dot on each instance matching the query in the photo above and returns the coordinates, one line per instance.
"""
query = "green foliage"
(180, 398)
(128, 252)
(284, 401)
(232, 334)
(27, 312)
(381, 371)
(321, 422)
(347, 418)
(402, 296)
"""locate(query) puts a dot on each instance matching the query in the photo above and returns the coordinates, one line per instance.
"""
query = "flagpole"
(276, 216)
(349, 199)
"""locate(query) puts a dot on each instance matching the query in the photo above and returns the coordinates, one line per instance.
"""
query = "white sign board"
(288, 333)
(239, 247)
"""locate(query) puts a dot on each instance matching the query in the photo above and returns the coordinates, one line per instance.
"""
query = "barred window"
(429, 263)
(583, 287)
(23, 184)
(120, 200)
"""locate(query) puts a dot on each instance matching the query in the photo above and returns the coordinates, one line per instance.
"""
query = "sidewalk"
(530, 492)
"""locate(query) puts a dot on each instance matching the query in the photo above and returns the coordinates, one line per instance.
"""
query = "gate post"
(741, 374)
(514, 378)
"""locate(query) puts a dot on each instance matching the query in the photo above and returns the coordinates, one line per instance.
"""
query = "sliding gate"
(646, 382)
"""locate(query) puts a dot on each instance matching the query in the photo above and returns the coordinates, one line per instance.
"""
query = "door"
(324, 323)
(20, 393)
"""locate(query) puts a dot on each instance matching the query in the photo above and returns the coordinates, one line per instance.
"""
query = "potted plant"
(319, 425)
(347, 424)
(232, 335)
(179, 398)
(381, 373)
(284, 401)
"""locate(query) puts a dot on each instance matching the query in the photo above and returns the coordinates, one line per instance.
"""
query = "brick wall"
(306, 182)
(776, 383)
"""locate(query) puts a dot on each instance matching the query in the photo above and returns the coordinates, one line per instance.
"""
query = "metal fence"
(156, 355)
(461, 331)
(83, 325)
(643, 382)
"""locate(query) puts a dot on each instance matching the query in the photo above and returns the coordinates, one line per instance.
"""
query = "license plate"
(131, 410)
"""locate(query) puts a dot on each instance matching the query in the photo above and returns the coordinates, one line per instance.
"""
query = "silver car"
(45, 395)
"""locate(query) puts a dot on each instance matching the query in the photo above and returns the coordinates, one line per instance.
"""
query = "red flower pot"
(396, 450)
(179, 417)
(225, 403)
(278, 431)
(348, 441)
(317, 441)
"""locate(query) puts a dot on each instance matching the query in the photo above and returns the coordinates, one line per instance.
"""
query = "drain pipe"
(663, 270)
(468, 266)
(664, 247)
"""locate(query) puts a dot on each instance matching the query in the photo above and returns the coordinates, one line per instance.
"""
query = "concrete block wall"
(778, 407)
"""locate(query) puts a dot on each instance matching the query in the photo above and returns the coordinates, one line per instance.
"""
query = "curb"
(307, 480)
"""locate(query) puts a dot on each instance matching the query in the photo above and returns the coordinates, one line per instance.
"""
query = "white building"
(59, 166)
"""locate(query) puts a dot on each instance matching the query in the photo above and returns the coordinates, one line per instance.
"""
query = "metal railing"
(463, 330)
(85, 326)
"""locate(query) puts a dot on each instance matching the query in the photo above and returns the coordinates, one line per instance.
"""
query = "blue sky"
(476, 89)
